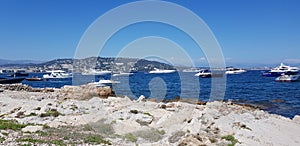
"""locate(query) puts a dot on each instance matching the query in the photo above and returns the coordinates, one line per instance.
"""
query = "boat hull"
(11, 81)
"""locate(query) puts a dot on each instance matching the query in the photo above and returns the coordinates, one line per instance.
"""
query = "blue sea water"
(247, 88)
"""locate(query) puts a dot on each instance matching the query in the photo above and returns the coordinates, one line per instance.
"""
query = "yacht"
(96, 72)
(277, 71)
(105, 83)
(57, 74)
(161, 71)
(208, 74)
(288, 78)
(231, 70)
(122, 74)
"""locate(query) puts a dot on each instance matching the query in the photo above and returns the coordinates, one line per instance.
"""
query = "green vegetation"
(5, 133)
(11, 124)
(146, 113)
(51, 112)
(231, 139)
(121, 119)
(130, 137)
(161, 132)
(95, 140)
(32, 140)
(2, 139)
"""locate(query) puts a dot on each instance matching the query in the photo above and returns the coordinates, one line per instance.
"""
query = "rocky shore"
(86, 115)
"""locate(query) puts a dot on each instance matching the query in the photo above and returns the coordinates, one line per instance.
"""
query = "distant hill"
(7, 62)
(80, 65)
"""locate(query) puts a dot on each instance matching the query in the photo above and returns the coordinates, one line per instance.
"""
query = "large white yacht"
(161, 71)
(57, 74)
(282, 69)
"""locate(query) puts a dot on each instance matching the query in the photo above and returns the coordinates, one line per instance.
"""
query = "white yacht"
(284, 68)
(122, 74)
(208, 74)
(57, 74)
(288, 78)
(280, 70)
(161, 71)
(231, 70)
(105, 83)
(96, 72)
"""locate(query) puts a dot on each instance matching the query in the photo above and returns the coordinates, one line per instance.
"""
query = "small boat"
(105, 83)
(161, 71)
(96, 72)
(57, 74)
(34, 79)
(208, 74)
(11, 80)
(278, 71)
(122, 74)
(232, 70)
(288, 78)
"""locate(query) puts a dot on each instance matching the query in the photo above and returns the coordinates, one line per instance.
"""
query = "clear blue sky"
(249, 31)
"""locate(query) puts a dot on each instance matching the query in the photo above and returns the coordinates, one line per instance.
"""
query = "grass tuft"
(130, 137)
(11, 124)
(231, 139)
(95, 140)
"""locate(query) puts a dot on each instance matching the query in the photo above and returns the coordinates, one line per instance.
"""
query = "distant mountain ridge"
(80, 65)
(7, 62)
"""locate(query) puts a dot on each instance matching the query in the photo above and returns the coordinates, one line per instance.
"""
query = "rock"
(144, 119)
(142, 98)
(296, 119)
(32, 129)
(201, 103)
(170, 105)
(104, 92)
(176, 136)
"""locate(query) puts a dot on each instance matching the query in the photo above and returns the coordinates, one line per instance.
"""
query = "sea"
(249, 88)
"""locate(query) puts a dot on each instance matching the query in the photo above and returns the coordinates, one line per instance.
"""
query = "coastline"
(77, 115)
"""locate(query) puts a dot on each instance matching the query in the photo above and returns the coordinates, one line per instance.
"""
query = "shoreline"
(77, 115)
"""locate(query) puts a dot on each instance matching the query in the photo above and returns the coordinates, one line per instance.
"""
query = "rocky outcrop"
(86, 91)
(22, 87)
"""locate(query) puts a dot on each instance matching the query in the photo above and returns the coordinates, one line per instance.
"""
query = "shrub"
(11, 124)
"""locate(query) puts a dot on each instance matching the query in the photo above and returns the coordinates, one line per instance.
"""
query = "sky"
(248, 31)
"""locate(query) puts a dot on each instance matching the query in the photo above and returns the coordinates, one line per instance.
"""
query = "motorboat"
(34, 79)
(105, 83)
(11, 80)
(280, 70)
(288, 78)
(57, 74)
(161, 71)
(208, 74)
(232, 70)
(96, 72)
(122, 74)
